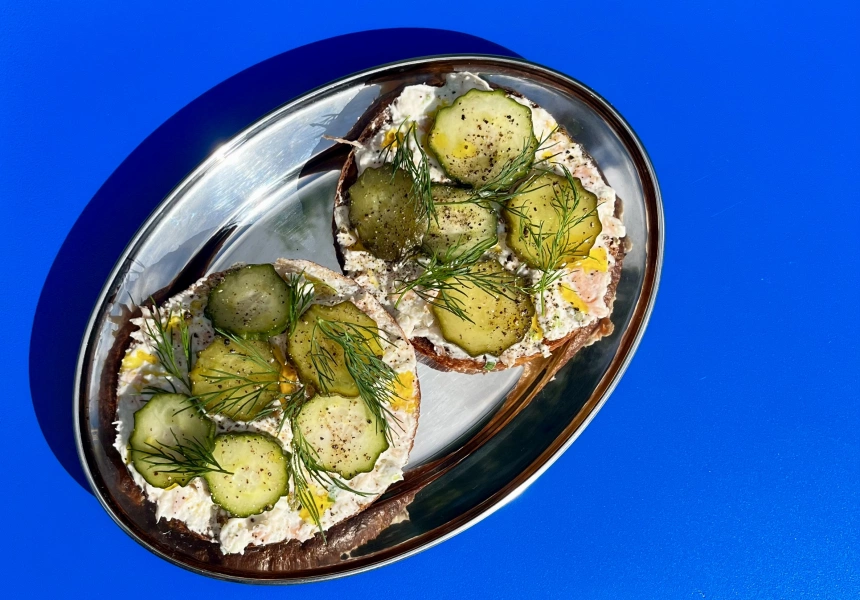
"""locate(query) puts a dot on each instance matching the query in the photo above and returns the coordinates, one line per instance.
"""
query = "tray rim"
(640, 317)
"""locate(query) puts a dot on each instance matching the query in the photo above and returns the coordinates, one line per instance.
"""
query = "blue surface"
(727, 462)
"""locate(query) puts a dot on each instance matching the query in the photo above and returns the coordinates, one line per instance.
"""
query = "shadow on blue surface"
(150, 172)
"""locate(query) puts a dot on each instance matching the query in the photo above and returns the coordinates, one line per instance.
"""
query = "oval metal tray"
(482, 439)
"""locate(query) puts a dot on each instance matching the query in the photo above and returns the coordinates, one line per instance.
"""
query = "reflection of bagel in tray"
(481, 225)
(266, 403)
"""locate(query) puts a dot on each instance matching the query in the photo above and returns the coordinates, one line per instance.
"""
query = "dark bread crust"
(575, 340)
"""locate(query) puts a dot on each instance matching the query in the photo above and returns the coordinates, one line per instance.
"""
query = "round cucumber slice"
(167, 420)
(484, 139)
(252, 302)
(257, 473)
(345, 435)
(549, 204)
(235, 379)
(496, 323)
(381, 208)
(459, 226)
(300, 346)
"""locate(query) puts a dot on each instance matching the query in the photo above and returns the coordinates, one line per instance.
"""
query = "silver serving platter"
(482, 439)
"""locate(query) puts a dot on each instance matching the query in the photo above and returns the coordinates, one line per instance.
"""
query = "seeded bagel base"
(575, 340)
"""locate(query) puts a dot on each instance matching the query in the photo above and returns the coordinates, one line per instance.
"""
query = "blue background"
(727, 462)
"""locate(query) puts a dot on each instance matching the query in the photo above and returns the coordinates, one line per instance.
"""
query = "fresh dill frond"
(188, 457)
(162, 336)
(400, 150)
(441, 282)
(304, 465)
(300, 295)
(497, 190)
(525, 160)
(290, 404)
(373, 377)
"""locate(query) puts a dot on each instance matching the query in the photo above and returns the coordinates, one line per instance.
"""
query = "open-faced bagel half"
(575, 309)
(266, 403)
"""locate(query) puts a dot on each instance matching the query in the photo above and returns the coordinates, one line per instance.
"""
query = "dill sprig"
(552, 247)
(304, 466)
(373, 377)
(400, 150)
(524, 161)
(441, 282)
(189, 457)
(289, 404)
(300, 295)
(162, 336)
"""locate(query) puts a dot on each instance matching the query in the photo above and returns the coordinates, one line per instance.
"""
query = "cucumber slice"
(257, 473)
(252, 302)
(497, 321)
(300, 346)
(167, 420)
(235, 379)
(388, 221)
(345, 435)
(484, 139)
(459, 225)
(550, 202)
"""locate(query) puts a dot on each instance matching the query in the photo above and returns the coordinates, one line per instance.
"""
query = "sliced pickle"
(547, 205)
(165, 422)
(236, 379)
(329, 356)
(251, 302)
(495, 321)
(459, 226)
(484, 139)
(388, 221)
(346, 437)
(257, 473)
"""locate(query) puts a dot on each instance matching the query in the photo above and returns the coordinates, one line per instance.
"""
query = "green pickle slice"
(251, 302)
(236, 379)
(167, 420)
(479, 137)
(495, 321)
(549, 205)
(300, 347)
(388, 221)
(460, 225)
(346, 437)
(256, 477)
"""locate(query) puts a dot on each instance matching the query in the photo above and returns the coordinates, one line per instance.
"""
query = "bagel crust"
(190, 508)
(378, 276)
